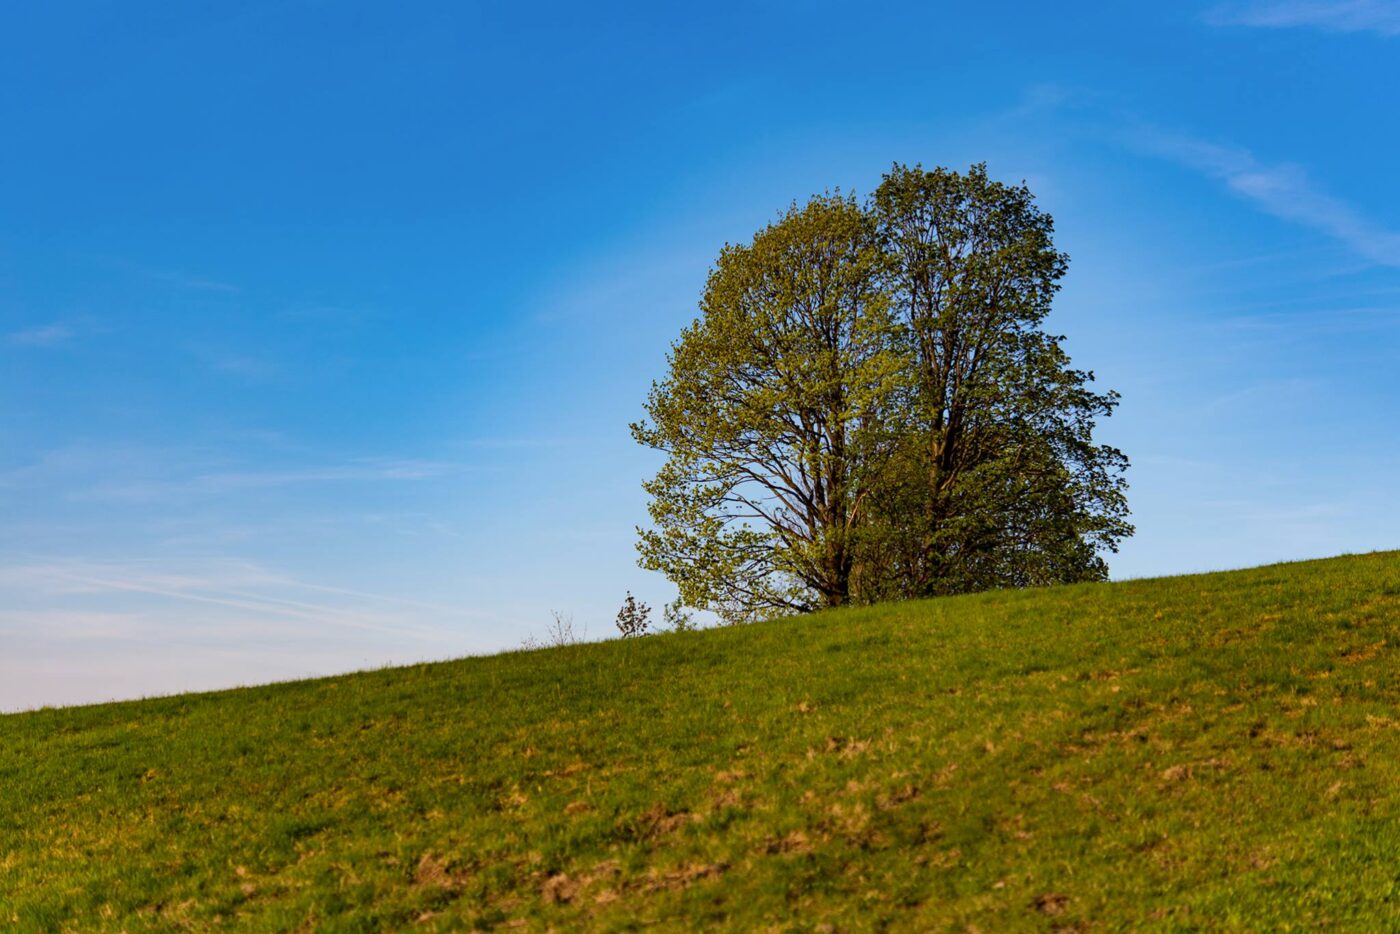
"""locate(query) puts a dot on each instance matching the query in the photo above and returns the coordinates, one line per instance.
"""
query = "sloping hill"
(1217, 750)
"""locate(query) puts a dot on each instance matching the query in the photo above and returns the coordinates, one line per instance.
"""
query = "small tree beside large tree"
(868, 408)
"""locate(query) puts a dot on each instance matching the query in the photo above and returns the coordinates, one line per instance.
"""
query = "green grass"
(1216, 751)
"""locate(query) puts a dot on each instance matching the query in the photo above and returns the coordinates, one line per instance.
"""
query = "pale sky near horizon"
(321, 324)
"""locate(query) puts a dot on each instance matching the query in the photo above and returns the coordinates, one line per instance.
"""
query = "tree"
(560, 632)
(867, 408)
(1008, 487)
(677, 617)
(633, 618)
(773, 418)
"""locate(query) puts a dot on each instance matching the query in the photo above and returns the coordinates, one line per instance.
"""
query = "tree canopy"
(869, 408)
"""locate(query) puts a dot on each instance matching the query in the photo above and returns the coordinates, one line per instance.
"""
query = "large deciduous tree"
(774, 418)
(867, 408)
(1005, 485)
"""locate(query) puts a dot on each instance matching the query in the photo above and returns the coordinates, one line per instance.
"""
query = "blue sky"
(321, 324)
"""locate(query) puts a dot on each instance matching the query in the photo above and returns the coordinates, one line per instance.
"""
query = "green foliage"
(677, 617)
(772, 417)
(1007, 487)
(1207, 752)
(868, 409)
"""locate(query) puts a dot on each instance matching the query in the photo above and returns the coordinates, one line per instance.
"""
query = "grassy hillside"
(1209, 751)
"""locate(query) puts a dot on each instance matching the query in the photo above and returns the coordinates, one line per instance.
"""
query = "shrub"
(632, 619)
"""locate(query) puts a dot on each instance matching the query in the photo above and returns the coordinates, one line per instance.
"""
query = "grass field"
(1215, 751)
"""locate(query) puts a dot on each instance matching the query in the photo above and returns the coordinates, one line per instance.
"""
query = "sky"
(322, 324)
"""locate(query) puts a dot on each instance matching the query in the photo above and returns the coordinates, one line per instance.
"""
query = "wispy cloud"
(181, 474)
(44, 335)
(194, 283)
(246, 367)
(177, 278)
(1377, 16)
(180, 279)
(611, 289)
(1282, 190)
(1267, 394)
(87, 629)
(366, 470)
(232, 585)
(224, 482)
(251, 367)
